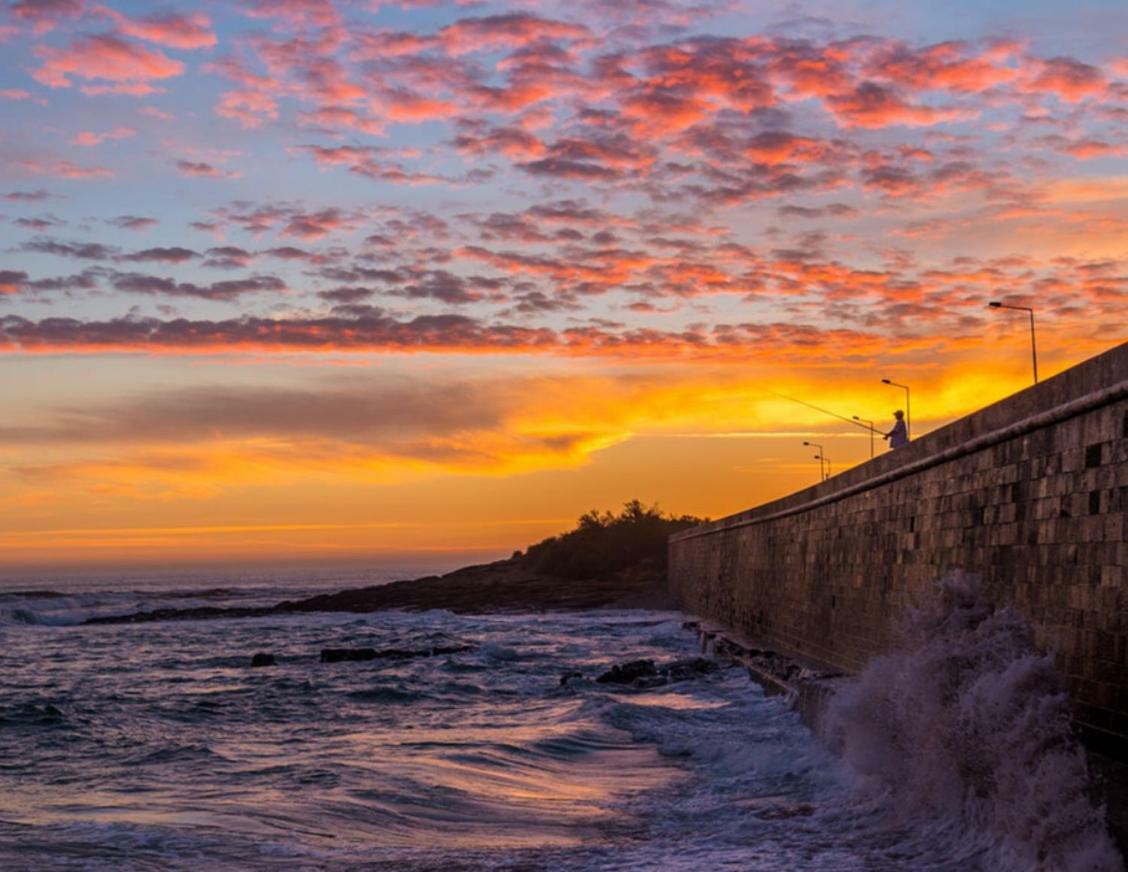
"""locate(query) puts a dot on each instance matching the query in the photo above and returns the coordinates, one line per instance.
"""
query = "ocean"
(157, 746)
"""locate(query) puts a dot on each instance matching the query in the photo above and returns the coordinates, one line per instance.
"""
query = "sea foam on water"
(967, 723)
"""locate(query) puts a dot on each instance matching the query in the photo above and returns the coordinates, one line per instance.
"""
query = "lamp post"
(869, 426)
(819, 458)
(908, 411)
(995, 304)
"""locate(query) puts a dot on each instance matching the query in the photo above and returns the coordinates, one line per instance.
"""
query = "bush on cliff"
(604, 542)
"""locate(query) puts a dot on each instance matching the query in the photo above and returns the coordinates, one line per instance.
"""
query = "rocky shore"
(506, 585)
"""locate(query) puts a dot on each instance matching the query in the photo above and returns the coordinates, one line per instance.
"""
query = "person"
(899, 436)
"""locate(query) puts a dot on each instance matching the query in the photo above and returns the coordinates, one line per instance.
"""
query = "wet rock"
(569, 676)
(262, 659)
(644, 674)
(340, 655)
(628, 673)
(684, 670)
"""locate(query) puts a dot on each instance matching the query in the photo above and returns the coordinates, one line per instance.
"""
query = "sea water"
(157, 746)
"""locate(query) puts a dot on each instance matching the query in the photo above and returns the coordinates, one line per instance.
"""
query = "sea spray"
(968, 723)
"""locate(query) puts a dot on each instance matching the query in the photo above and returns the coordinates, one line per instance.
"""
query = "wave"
(30, 594)
(50, 608)
(968, 723)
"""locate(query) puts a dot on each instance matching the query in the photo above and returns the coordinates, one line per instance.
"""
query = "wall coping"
(1095, 382)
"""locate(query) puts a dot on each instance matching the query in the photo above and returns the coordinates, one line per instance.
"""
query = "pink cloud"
(154, 112)
(202, 168)
(11, 281)
(171, 28)
(133, 89)
(365, 161)
(89, 138)
(947, 66)
(133, 222)
(104, 56)
(17, 94)
(1069, 79)
(511, 30)
(1083, 149)
(249, 108)
(63, 169)
(321, 13)
(874, 106)
(314, 225)
(477, 139)
(341, 117)
(45, 15)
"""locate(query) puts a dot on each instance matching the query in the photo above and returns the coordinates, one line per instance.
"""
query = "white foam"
(968, 723)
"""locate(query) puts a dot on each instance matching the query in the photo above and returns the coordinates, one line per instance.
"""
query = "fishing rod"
(817, 408)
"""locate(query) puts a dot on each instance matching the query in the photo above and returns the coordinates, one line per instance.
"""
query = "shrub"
(604, 542)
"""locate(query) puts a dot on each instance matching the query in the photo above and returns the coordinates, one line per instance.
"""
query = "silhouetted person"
(899, 436)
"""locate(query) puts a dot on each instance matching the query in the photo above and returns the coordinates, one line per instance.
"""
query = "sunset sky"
(302, 279)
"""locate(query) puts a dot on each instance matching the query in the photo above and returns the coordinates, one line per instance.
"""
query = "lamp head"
(995, 304)
(886, 381)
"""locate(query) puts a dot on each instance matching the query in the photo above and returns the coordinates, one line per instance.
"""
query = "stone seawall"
(1029, 493)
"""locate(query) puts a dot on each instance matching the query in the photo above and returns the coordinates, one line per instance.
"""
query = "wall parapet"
(1030, 493)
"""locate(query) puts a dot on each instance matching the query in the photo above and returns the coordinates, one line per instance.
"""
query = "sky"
(424, 281)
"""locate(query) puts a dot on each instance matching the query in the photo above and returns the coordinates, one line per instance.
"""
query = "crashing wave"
(970, 723)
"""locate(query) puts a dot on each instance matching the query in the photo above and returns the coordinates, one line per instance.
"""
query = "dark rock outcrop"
(262, 659)
(340, 655)
(629, 673)
(505, 586)
(642, 674)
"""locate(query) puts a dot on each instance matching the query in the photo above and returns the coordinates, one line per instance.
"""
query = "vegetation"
(604, 542)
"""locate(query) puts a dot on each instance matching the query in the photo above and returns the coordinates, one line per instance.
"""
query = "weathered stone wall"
(1030, 493)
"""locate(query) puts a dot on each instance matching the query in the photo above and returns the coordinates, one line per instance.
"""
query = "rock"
(262, 659)
(683, 670)
(391, 654)
(568, 676)
(339, 655)
(643, 674)
(628, 672)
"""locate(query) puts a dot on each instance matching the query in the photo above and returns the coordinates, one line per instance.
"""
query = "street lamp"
(995, 304)
(819, 458)
(908, 412)
(869, 426)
